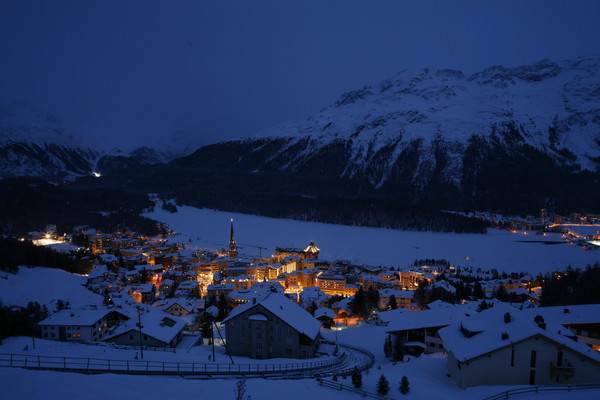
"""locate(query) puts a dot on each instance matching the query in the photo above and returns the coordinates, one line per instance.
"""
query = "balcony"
(566, 371)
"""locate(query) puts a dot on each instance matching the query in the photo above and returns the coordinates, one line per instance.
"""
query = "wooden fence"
(543, 389)
(97, 365)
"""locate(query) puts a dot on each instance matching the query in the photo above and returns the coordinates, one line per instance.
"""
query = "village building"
(417, 331)
(403, 298)
(503, 346)
(158, 329)
(583, 320)
(274, 327)
(326, 316)
(90, 324)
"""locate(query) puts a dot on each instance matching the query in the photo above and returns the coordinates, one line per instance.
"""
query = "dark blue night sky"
(223, 69)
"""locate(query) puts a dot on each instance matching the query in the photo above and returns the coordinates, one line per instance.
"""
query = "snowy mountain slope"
(503, 139)
(555, 108)
(37, 143)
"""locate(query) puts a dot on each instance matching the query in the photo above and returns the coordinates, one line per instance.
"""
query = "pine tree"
(222, 307)
(383, 386)
(357, 378)
(387, 347)
(404, 385)
(399, 350)
(359, 305)
(392, 305)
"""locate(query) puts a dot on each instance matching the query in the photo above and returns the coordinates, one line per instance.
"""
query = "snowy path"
(352, 357)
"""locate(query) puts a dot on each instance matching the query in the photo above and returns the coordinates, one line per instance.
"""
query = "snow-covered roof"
(77, 317)
(406, 294)
(213, 310)
(98, 270)
(491, 333)
(324, 312)
(311, 248)
(579, 314)
(155, 323)
(440, 316)
(142, 287)
(108, 258)
(284, 309)
(243, 295)
(444, 284)
(183, 303)
(392, 315)
(187, 285)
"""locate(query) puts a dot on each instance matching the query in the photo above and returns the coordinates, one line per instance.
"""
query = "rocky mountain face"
(506, 139)
(38, 144)
(398, 154)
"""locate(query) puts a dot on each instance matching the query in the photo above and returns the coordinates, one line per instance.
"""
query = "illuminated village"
(159, 293)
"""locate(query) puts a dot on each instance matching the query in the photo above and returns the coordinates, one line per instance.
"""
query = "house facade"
(272, 328)
(502, 346)
(84, 325)
(536, 360)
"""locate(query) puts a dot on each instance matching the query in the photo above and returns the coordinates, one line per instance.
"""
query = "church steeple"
(233, 253)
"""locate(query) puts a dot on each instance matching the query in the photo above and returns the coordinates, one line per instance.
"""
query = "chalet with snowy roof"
(325, 316)
(311, 295)
(180, 307)
(274, 327)
(583, 320)
(445, 286)
(142, 293)
(166, 287)
(418, 331)
(90, 324)
(503, 346)
(97, 275)
(186, 288)
(158, 329)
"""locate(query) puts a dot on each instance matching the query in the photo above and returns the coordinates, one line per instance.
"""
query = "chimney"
(504, 335)
(507, 318)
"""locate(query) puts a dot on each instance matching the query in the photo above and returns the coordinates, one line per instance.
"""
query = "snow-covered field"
(45, 285)
(503, 250)
(427, 377)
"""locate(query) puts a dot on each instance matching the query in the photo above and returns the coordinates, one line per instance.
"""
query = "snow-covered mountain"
(552, 107)
(434, 134)
(39, 144)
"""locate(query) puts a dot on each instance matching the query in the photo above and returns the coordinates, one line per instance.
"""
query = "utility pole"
(139, 324)
(212, 340)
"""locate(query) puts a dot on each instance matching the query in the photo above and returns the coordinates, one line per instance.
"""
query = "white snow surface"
(427, 376)
(45, 285)
(447, 105)
(500, 249)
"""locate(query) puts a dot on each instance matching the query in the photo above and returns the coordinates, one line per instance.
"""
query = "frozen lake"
(503, 250)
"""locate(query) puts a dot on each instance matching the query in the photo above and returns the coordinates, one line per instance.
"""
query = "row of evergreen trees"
(28, 204)
(16, 321)
(574, 286)
(383, 385)
(14, 253)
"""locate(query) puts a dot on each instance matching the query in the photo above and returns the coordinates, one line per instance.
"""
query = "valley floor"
(499, 249)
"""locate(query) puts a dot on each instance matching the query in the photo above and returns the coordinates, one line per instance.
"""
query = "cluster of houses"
(156, 290)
